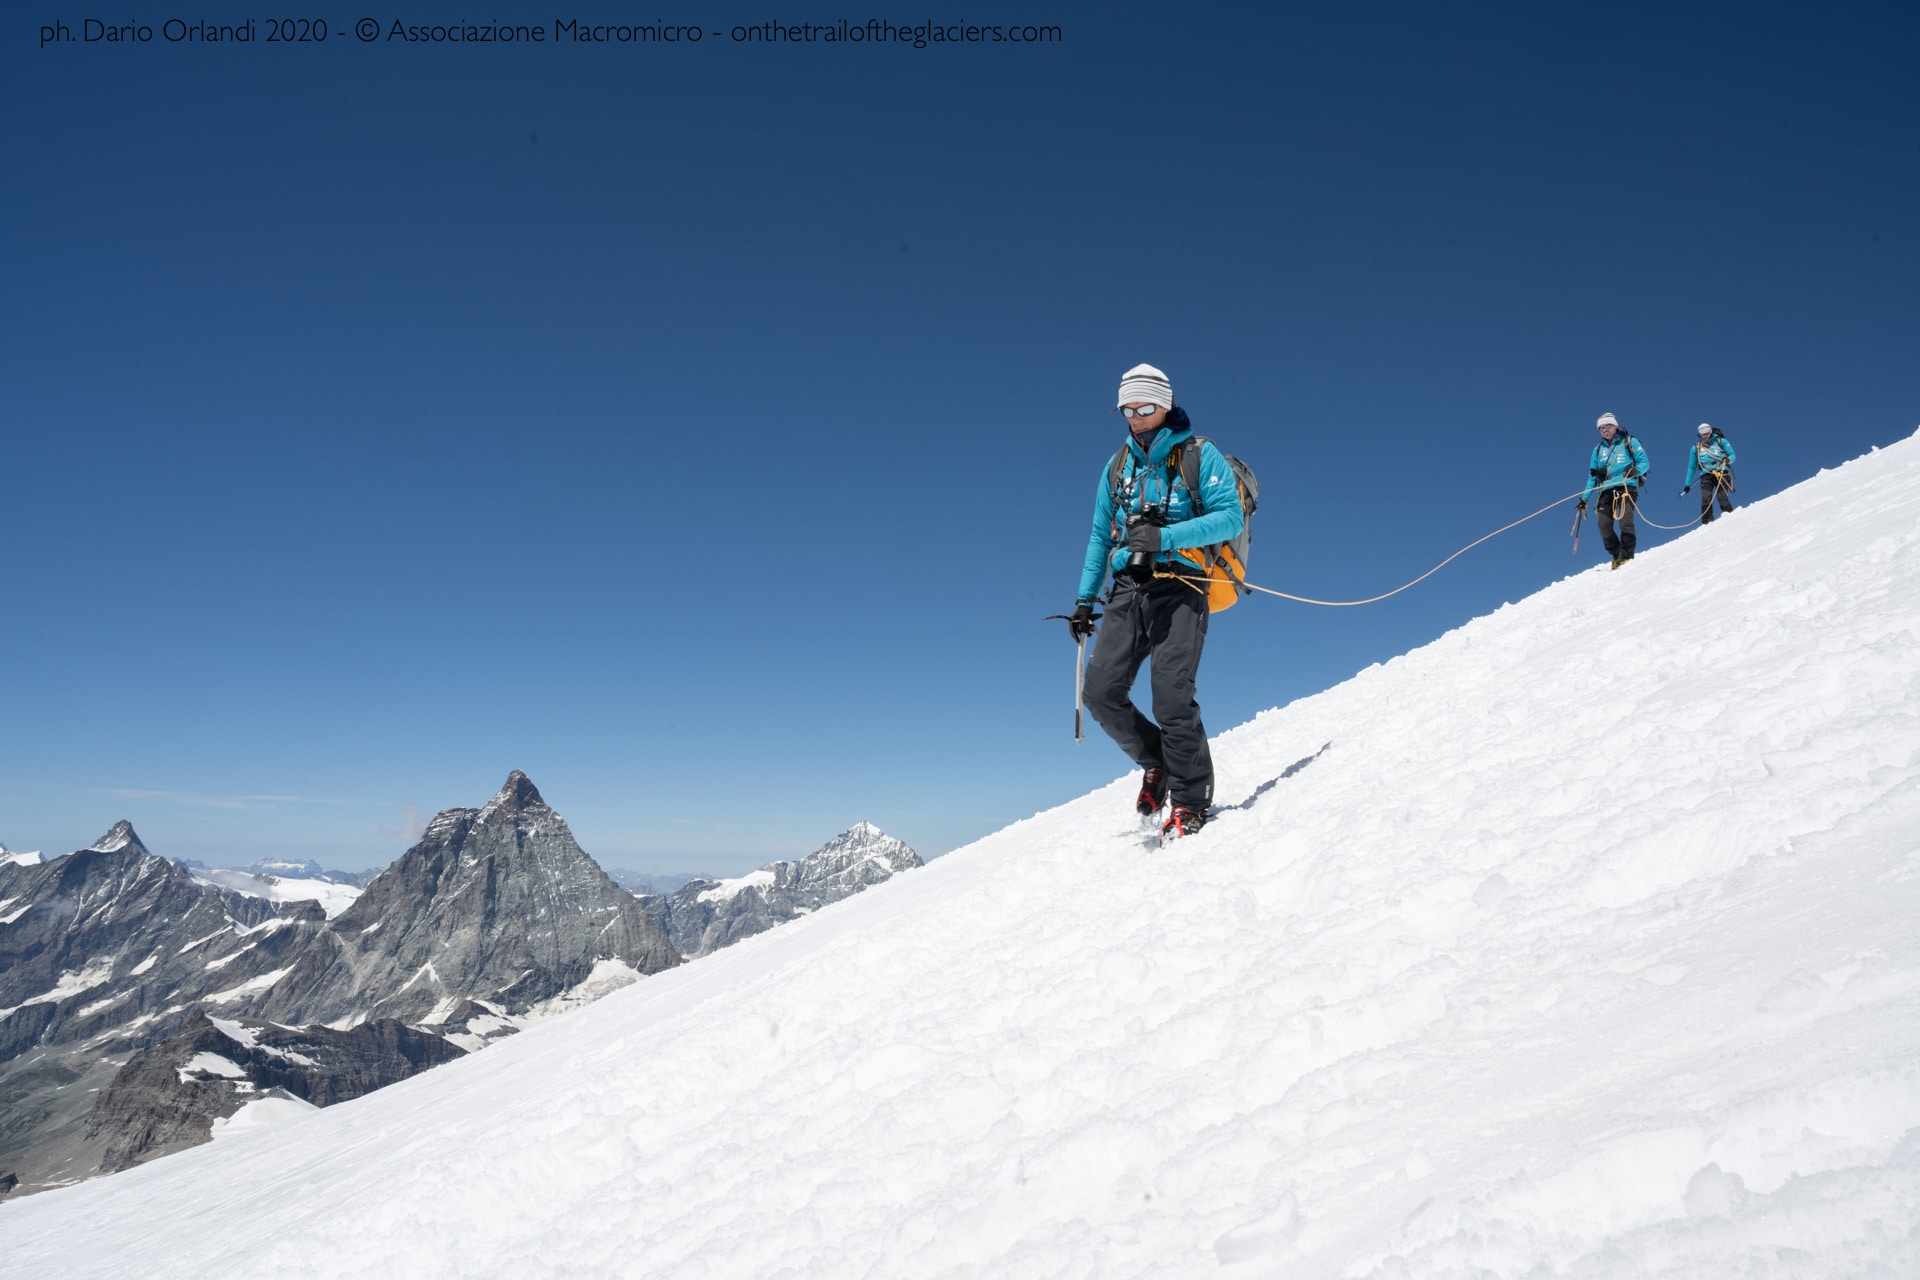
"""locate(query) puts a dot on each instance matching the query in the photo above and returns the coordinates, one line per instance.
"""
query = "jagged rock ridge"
(167, 1096)
(102, 952)
(705, 915)
(495, 915)
(498, 903)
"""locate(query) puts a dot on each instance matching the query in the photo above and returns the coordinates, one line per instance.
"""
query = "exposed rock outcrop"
(705, 915)
(112, 938)
(495, 918)
(167, 1096)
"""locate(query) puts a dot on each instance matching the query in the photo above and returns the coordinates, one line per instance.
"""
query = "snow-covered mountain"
(332, 895)
(497, 905)
(496, 919)
(9, 857)
(308, 869)
(1579, 942)
(103, 951)
(705, 915)
(647, 883)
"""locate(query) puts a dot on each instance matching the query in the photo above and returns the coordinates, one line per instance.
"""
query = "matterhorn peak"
(120, 836)
(516, 794)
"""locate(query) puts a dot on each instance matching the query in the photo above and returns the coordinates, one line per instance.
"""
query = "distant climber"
(1711, 462)
(1145, 510)
(1616, 469)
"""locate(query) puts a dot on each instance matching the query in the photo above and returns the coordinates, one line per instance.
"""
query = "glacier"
(1578, 942)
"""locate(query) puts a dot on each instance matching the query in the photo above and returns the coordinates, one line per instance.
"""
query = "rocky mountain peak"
(499, 904)
(706, 915)
(120, 836)
(516, 795)
(863, 839)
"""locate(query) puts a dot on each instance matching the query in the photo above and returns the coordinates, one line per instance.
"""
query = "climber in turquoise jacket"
(1618, 460)
(1149, 480)
(1157, 612)
(1711, 462)
(1616, 468)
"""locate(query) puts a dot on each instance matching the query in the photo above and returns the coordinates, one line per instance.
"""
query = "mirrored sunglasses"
(1144, 411)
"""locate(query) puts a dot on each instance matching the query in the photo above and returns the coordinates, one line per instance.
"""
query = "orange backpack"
(1223, 563)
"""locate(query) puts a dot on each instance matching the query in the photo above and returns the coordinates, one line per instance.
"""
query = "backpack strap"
(1190, 471)
(1190, 477)
(1114, 472)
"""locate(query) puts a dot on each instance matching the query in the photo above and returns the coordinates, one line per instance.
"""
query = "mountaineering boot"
(1153, 793)
(1182, 822)
(1618, 559)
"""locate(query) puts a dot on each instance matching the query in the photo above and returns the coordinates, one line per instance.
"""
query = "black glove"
(1684, 492)
(1080, 624)
(1143, 537)
(1581, 506)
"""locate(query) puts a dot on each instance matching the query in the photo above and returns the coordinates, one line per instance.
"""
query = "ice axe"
(1080, 690)
(1079, 677)
(1579, 516)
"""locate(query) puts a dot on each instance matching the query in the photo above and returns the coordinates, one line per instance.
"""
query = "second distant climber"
(1711, 462)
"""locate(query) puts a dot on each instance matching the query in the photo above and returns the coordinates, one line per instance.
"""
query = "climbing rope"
(1342, 604)
(1640, 513)
(1716, 477)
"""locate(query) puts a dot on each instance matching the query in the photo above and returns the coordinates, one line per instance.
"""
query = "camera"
(1140, 563)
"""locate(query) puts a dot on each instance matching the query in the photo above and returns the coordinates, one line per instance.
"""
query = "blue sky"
(705, 429)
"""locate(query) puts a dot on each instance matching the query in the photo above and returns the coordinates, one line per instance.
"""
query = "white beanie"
(1607, 420)
(1144, 382)
(1706, 428)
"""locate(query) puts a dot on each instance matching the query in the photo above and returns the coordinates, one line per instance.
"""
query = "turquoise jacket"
(1144, 480)
(1608, 466)
(1715, 455)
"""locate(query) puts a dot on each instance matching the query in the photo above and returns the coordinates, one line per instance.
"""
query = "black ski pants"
(1166, 621)
(1711, 486)
(1604, 503)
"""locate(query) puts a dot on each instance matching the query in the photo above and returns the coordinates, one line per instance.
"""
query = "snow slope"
(1579, 942)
